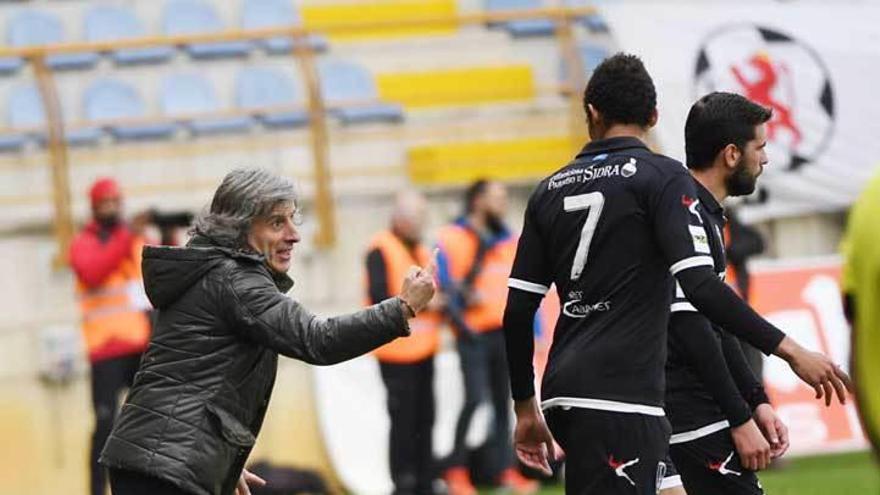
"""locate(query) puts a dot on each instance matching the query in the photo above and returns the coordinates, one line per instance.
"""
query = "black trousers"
(109, 378)
(124, 482)
(484, 369)
(611, 453)
(411, 410)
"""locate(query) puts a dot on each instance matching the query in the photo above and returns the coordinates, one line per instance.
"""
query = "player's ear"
(731, 155)
(652, 120)
(593, 115)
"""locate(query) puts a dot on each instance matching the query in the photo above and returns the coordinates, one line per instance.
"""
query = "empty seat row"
(522, 28)
(263, 95)
(103, 23)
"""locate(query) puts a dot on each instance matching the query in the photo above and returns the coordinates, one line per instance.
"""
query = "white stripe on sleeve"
(515, 283)
(691, 262)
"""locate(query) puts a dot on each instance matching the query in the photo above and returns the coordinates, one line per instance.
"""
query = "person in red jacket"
(106, 258)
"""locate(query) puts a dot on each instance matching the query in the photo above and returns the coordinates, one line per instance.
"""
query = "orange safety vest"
(460, 247)
(424, 339)
(114, 319)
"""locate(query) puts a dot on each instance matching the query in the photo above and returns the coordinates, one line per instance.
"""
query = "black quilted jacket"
(200, 395)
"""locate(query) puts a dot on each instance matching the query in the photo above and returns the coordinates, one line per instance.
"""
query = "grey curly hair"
(244, 195)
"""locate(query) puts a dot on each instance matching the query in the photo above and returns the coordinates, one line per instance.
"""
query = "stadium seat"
(110, 100)
(25, 111)
(197, 17)
(259, 14)
(350, 92)
(31, 27)
(259, 89)
(188, 95)
(109, 22)
(525, 27)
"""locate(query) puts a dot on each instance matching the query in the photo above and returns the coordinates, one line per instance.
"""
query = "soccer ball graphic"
(775, 70)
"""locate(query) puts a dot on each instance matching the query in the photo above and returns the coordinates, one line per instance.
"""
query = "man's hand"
(816, 370)
(418, 286)
(248, 478)
(773, 428)
(753, 449)
(532, 440)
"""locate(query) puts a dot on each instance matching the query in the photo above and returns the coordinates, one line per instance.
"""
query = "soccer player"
(608, 229)
(719, 412)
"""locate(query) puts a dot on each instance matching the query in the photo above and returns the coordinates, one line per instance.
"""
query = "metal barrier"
(303, 52)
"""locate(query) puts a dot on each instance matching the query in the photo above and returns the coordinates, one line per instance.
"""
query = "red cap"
(102, 189)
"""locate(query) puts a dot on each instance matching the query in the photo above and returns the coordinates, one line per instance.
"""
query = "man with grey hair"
(200, 395)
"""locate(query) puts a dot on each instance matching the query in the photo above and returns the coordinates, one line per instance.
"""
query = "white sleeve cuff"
(515, 283)
(691, 262)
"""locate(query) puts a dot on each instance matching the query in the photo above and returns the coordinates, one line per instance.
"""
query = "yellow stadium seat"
(386, 13)
(460, 163)
(461, 86)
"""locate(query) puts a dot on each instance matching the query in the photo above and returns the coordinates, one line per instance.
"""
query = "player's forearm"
(749, 386)
(696, 338)
(722, 306)
(519, 316)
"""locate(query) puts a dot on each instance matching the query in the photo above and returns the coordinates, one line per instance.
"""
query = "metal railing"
(564, 19)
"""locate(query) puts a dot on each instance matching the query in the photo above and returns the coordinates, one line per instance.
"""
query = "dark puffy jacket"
(200, 395)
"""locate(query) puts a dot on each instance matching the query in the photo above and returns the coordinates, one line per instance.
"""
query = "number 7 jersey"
(608, 230)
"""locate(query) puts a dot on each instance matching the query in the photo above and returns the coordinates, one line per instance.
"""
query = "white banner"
(816, 65)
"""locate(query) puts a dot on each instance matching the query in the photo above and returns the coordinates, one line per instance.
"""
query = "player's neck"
(625, 130)
(712, 180)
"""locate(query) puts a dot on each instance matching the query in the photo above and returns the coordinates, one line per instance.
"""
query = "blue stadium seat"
(259, 14)
(191, 94)
(525, 27)
(110, 22)
(350, 92)
(109, 100)
(261, 88)
(31, 27)
(197, 17)
(25, 111)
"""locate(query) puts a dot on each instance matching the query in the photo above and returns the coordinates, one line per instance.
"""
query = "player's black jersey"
(607, 230)
(688, 402)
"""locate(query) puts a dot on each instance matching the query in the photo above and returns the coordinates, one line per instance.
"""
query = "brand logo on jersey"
(629, 168)
(721, 467)
(619, 466)
(700, 238)
(576, 309)
(691, 204)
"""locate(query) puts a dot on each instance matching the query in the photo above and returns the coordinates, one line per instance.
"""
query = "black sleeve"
(676, 221)
(377, 277)
(697, 341)
(749, 386)
(529, 281)
(519, 317)
(723, 307)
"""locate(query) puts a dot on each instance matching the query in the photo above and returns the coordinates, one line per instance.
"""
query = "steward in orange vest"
(106, 258)
(406, 364)
(476, 254)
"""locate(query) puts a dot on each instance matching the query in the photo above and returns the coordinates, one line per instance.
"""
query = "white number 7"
(594, 202)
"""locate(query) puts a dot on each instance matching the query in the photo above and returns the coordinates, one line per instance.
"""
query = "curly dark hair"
(622, 91)
(719, 119)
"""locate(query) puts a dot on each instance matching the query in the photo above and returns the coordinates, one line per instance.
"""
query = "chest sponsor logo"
(576, 308)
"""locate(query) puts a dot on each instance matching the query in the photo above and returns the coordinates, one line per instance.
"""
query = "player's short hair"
(622, 91)
(719, 119)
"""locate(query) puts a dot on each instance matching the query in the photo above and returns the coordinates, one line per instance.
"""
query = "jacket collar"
(282, 280)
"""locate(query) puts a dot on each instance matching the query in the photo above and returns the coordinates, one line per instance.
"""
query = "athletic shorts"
(709, 465)
(609, 453)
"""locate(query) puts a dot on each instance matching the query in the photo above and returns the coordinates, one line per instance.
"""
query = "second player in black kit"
(608, 229)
